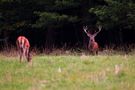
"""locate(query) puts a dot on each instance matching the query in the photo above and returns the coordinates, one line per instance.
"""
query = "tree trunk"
(121, 37)
(49, 40)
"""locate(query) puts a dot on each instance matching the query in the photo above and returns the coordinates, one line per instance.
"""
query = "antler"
(88, 33)
(85, 28)
(99, 29)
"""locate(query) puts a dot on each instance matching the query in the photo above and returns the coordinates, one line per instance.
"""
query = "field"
(68, 72)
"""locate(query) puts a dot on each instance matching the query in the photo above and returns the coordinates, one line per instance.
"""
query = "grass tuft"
(68, 72)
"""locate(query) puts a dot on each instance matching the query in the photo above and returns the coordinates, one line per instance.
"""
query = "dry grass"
(108, 50)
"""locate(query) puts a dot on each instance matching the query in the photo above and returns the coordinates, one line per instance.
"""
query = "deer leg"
(27, 54)
(96, 52)
(21, 58)
(21, 54)
(91, 49)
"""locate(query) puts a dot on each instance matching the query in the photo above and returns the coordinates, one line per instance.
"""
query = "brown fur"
(23, 46)
(93, 45)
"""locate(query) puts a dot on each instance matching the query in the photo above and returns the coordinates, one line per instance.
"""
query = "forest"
(59, 23)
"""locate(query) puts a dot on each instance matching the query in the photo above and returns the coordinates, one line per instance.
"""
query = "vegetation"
(57, 23)
(102, 72)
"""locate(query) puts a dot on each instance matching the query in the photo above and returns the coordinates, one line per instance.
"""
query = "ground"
(68, 72)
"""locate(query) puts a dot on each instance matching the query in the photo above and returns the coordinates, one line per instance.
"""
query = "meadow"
(68, 72)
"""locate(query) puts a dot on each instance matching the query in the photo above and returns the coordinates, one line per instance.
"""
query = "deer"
(23, 46)
(93, 45)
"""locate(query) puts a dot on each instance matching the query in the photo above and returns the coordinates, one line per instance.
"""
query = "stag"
(93, 45)
(23, 46)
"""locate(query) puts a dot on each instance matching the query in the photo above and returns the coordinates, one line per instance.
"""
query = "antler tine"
(99, 28)
(85, 27)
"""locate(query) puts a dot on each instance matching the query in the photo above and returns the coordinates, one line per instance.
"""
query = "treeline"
(58, 23)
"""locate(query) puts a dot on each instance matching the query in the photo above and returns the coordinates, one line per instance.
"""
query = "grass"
(68, 72)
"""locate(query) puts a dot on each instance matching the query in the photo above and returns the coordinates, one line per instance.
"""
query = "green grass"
(75, 73)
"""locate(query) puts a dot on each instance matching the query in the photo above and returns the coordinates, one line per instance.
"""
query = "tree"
(65, 15)
(116, 14)
(16, 14)
(61, 21)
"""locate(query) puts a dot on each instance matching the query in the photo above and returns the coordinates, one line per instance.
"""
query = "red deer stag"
(93, 45)
(23, 46)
